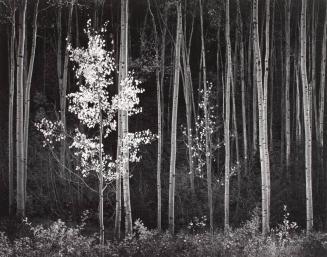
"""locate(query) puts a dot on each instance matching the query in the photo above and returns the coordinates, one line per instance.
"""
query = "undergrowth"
(58, 239)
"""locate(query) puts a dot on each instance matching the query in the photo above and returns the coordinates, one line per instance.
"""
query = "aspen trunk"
(227, 119)
(20, 198)
(265, 109)
(313, 81)
(237, 151)
(188, 103)
(27, 94)
(60, 83)
(322, 94)
(243, 89)
(171, 207)
(11, 111)
(101, 177)
(124, 117)
(263, 148)
(287, 82)
(307, 115)
(322, 85)
(162, 107)
(159, 112)
(207, 129)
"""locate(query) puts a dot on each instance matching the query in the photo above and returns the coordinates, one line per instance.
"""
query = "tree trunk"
(11, 111)
(207, 128)
(262, 107)
(123, 70)
(227, 119)
(322, 97)
(243, 89)
(307, 115)
(101, 223)
(188, 104)
(159, 112)
(27, 94)
(287, 82)
(265, 109)
(171, 207)
(20, 112)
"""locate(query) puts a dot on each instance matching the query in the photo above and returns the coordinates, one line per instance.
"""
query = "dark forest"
(163, 128)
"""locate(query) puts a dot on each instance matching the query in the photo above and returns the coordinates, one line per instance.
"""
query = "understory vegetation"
(60, 239)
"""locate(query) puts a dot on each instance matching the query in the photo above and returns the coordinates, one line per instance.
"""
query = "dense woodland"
(187, 115)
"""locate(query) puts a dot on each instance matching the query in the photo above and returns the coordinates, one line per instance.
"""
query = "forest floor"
(59, 239)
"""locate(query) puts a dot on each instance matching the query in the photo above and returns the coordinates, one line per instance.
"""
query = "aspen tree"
(159, 112)
(265, 108)
(172, 169)
(287, 81)
(322, 85)
(20, 212)
(27, 93)
(123, 69)
(227, 119)
(62, 72)
(208, 138)
(307, 115)
(187, 85)
(11, 109)
(262, 107)
(243, 89)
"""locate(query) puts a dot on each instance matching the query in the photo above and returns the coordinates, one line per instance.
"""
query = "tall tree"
(322, 88)
(287, 81)
(206, 118)
(159, 114)
(20, 199)
(227, 117)
(123, 73)
(307, 115)
(262, 107)
(27, 93)
(172, 169)
(11, 108)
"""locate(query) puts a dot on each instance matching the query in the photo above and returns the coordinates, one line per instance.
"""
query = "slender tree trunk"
(313, 81)
(60, 83)
(207, 128)
(27, 93)
(298, 104)
(159, 112)
(307, 113)
(20, 199)
(101, 177)
(243, 89)
(322, 96)
(188, 103)
(171, 207)
(235, 133)
(322, 85)
(265, 109)
(227, 119)
(124, 117)
(262, 117)
(11, 111)
(287, 82)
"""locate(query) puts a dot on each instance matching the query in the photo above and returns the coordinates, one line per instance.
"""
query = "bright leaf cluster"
(94, 107)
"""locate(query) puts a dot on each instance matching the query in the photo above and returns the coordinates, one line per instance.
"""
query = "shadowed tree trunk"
(227, 119)
(172, 170)
(207, 129)
(20, 198)
(307, 115)
(11, 110)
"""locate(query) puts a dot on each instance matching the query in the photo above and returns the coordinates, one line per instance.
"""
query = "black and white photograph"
(144, 128)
